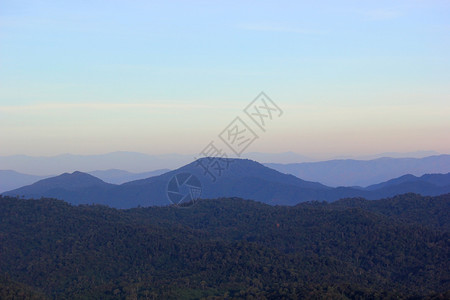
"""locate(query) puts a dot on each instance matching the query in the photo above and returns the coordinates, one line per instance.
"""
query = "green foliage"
(14, 290)
(227, 248)
(430, 211)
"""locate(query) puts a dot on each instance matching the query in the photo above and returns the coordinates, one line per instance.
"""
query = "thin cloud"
(381, 14)
(106, 106)
(277, 28)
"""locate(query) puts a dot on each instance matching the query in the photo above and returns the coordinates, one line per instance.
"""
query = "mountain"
(76, 187)
(116, 176)
(73, 181)
(243, 178)
(226, 248)
(351, 172)
(10, 180)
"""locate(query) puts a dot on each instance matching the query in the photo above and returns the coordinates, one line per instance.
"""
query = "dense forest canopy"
(226, 248)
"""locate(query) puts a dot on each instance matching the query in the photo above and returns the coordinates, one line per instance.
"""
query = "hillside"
(217, 247)
(427, 211)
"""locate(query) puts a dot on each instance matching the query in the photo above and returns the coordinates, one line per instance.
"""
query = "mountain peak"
(76, 178)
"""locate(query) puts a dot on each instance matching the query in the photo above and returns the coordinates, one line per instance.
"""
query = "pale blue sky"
(353, 77)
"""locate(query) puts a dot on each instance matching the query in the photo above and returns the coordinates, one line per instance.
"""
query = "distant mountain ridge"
(77, 187)
(130, 161)
(116, 176)
(126, 161)
(245, 179)
(10, 179)
(438, 180)
(136, 162)
(67, 181)
(350, 172)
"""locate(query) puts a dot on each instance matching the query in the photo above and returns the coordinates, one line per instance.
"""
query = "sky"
(351, 77)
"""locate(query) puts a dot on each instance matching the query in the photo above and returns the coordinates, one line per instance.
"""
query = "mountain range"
(331, 173)
(242, 178)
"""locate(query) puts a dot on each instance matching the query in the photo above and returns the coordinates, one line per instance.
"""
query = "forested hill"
(227, 248)
(428, 211)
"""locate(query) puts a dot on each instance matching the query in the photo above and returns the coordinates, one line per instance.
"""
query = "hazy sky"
(352, 77)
